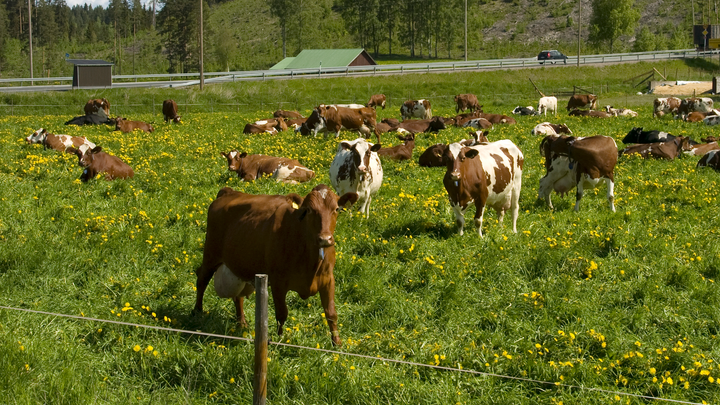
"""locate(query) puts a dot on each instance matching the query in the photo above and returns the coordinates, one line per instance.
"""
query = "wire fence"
(363, 356)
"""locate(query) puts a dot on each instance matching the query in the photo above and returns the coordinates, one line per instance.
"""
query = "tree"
(611, 19)
(645, 41)
(284, 10)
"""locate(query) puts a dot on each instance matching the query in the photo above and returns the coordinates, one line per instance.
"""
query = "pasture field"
(624, 301)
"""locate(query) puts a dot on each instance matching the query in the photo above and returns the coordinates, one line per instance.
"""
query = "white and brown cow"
(620, 112)
(60, 143)
(287, 237)
(333, 118)
(375, 101)
(578, 162)
(588, 101)
(698, 149)
(96, 161)
(251, 167)
(92, 106)
(416, 109)
(356, 168)
(546, 128)
(665, 105)
(170, 111)
(694, 104)
(467, 101)
(547, 104)
(488, 175)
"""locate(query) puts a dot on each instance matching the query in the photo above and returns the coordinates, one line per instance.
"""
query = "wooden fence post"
(261, 339)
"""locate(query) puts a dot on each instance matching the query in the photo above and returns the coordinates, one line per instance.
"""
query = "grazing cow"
(251, 167)
(498, 118)
(94, 105)
(577, 162)
(662, 106)
(710, 159)
(668, 150)
(376, 100)
(547, 104)
(546, 128)
(170, 111)
(529, 110)
(467, 102)
(416, 126)
(588, 101)
(287, 114)
(637, 135)
(416, 109)
(620, 112)
(698, 149)
(400, 152)
(479, 123)
(96, 161)
(60, 143)
(122, 124)
(357, 169)
(489, 174)
(289, 238)
(589, 113)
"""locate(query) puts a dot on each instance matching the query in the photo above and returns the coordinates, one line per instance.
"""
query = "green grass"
(595, 298)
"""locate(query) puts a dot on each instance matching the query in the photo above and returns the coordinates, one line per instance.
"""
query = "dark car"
(552, 56)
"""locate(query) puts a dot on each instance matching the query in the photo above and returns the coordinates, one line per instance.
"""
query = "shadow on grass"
(707, 65)
(418, 227)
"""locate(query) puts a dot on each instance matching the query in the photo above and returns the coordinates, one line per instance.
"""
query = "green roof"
(313, 58)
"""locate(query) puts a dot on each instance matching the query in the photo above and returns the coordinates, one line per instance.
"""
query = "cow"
(287, 114)
(393, 122)
(351, 106)
(334, 118)
(637, 135)
(662, 106)
(620, 112)
(271, 126)
(356, 168)
(712, 120)
(529, 110)
(251, 167)
(462, 119)
(170, 111)
(375, 101)
(478, 123)
(546, 128)
(60, 143)
(433, 155)
(416, 126)
(667, 150)
(693, 104)
(498, 118)
(698, 149)
(696, 116)
(588, 101)
(416, 109)
(489, 174)
(578, 162)
(295, 123)
(94, 105)
(97, 118)
(96, 161)
(467, 102)
(547, 104)
(278, 123)
(710, 159)
(287, 237)
(589, 113)
(400, 152)
(122, 124)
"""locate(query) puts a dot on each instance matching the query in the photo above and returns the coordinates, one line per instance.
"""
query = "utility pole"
(30, 35)
(202, 72)
(153, 18)
(579, 25)
(466, 53)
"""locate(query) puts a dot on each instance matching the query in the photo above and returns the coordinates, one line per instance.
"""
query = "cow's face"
(318, 212)
(234, 159)
(454, 156)
(314, 123)
(37, 136)
(86, 155)
(361, 153)
(119, 121)
(436, 124)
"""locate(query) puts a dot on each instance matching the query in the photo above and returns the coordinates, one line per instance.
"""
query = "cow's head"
(454, 156)
(37, 136)
(234, 159)
(85, 154)
(563, 129)
(477, 137)
(635, 132)
(314, 122)
(119, 123)
(361, 151)
(407, 138)
(436, 124)
(281, 124)
(517, 110)
(318, 213)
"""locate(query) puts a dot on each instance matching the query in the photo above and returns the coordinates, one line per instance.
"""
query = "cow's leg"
(459, 212)
(610, 193)
(480, 210)
(579, 193)
(204, 274)
(327, 297)
(240, 313)
(366, 207)
(281, 310)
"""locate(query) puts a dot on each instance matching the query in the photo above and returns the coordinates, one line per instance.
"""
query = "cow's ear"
(345, 145)
(347, 200)
(225, 155)
(376, 147)
(243, 155)
(71, 150)
(470, 154)
(295, 200)
(96, 149)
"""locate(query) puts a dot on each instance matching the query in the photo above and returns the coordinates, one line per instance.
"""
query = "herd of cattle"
(290, 237)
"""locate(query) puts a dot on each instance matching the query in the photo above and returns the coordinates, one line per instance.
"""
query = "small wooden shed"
(91, 73)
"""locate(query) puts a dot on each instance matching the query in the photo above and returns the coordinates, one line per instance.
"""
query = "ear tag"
(85, 171)
(322, 254)
(571, 165)
(294, 205)
(457, 183)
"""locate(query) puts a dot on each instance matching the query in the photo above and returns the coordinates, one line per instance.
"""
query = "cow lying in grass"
(96, 161)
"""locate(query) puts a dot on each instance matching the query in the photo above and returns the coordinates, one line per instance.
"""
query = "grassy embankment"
(622, 301)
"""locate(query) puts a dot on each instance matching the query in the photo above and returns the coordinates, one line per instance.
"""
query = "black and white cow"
(637, 135)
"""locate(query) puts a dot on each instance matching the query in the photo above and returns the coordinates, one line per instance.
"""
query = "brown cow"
(668, 150)
(96, 161)
(498, 118)
(121, 124)
(547, 128)
(289, 238)
(589, 113)
(710, 159)
(287, 114)
(332, 118)
(92, 106)
(433, 155)
(376, 100)
(588, 101)
(416, 126)
(698, 149)
(400, 152)
(60, 143)
(170, 111)
(251, 167)
(578, 162)
(467, 102)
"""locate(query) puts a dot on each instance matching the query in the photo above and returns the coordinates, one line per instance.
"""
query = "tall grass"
(623, 301)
